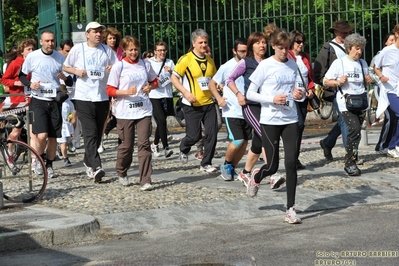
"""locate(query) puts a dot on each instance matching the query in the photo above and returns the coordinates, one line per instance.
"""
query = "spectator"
(133, 110)
(91, 99)
(112, 37)
(11, 81)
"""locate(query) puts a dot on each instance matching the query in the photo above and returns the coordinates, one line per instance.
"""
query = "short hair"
(354, 39)
(252, 39)
(46, 31)
(160, 43)
(127, 40)
(239, 41)
(66, 42)
(25, 43)
(386, 37)
(293, 35)
(275, 35)
(198, 33)
(111, 31)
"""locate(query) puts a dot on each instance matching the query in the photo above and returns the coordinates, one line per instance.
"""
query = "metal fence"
(173, 20)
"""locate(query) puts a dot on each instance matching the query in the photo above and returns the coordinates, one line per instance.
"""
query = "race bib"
(27, 90)
(96, 73)
(289, 101)
(135, 106)
(203, 83)
(164, 80)
(47, 90)
(353, 77)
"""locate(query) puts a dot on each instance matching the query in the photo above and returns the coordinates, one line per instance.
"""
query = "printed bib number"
(27, 90)
(164, 80)
(203, 83)
(96, 74)
(47, 91)
(135, 106)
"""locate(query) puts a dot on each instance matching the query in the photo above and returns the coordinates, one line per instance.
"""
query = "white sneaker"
(155, 150)
(208, 168)
(50, 172)
(38, 168)
(146, 187)
(168, 152)
(124, 181)
(89, 171)
(276, 180)
(101, 148)
(183, 158)
(393, 153)
(291, 217)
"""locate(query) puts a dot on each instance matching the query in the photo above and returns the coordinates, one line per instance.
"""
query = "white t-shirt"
(354, 85)
(272, 78)
(339, 52)
(164, 89)
(232, 109)
(94, 60)
(124, 76)
(44, 69)
(67, 127)
(304, 72)
(388, 61)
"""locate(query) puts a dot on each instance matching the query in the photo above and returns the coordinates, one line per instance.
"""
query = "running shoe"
(253, 187)
(244, 178)
(155, 150)
(124, 181)
(183, 158)
(10, 159)
(38, 168)
(393, 153)
(199, 155)
(208, 168)
(67, 163)
(98, 175)
(50, 172)
(146, 187)
(167, 152)
(227, 172)
(291, 217)
(276, 180)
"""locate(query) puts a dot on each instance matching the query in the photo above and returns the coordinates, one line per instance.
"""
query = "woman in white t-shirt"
(387, 70)
(273, 86)
(161, 98)
(130, 81)
(348, 74)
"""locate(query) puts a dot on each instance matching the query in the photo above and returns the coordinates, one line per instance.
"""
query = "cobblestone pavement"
(74, 191)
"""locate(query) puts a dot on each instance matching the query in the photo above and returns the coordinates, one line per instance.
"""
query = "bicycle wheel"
(20, 184)
(325, 110)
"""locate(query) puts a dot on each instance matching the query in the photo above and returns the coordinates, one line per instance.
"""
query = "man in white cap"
(91, 62)
(330, 51)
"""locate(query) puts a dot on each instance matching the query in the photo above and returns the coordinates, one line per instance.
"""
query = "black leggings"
(271, 143)
(159, 115)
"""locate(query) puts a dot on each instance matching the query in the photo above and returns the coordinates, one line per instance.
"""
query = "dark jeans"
(353, 121)
(92, 116)
(194, 115)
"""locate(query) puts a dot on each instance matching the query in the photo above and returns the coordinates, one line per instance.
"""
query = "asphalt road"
(349, 236)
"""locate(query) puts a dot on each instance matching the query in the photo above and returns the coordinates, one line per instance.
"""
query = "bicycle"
(326, 108)
(20, 184)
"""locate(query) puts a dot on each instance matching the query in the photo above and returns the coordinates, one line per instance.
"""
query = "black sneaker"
(352, 170)
(300, 166)
(327, 151)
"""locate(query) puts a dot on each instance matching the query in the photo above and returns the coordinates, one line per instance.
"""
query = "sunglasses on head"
(299, 42)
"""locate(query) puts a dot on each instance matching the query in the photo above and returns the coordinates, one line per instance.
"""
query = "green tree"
(20, 21)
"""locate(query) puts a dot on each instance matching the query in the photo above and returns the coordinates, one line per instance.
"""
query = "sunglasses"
(299, 42)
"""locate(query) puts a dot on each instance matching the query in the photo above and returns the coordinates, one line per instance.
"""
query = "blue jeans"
(339, 128)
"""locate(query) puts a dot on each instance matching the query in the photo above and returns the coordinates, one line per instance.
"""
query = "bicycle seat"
(13, 120)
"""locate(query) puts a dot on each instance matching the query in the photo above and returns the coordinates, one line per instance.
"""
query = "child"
(67, 131)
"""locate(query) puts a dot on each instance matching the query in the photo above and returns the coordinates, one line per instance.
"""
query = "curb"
(65, 228)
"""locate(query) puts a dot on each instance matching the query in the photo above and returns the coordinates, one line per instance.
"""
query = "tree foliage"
(20, 21)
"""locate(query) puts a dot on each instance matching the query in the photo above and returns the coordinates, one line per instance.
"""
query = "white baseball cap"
(94, 25)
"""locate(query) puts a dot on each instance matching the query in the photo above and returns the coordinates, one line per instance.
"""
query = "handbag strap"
(303, 81)
(163, 63)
